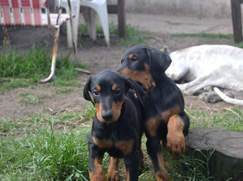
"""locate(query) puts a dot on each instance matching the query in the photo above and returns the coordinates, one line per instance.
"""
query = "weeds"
(60, 156)
(133, 34)
(55, 148)
(29, 98)
(195, 166)
(44, 154)
(232, 119)
(37, 149)
(204, 35)
(190, 167)
(20, 70)
(208, 35)
(63, 90)
(8, 84)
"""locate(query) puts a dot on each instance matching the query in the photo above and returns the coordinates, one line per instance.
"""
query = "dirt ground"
(98, 57)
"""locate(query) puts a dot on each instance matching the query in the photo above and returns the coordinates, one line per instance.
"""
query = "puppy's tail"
(227, 98)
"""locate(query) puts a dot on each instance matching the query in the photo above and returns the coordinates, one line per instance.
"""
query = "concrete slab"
(176, 24)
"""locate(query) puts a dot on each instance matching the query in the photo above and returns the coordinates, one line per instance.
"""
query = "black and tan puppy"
(117, 123)
(164, 118)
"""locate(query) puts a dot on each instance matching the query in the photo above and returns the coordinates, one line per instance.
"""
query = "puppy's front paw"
(113, 175)
(176, 143)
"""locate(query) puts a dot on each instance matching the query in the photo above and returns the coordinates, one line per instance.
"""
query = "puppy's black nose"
(107, 115)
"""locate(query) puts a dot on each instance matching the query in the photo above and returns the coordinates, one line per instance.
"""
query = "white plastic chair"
(99, 6)
(75, 8)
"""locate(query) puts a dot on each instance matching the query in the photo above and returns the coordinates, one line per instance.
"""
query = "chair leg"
(5, 30)
(69, 35)
(90, 21)
(103, 16)
(53, 63)
(73, 24)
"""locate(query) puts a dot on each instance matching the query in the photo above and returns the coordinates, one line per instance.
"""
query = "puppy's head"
(107, 91)
(143, 64)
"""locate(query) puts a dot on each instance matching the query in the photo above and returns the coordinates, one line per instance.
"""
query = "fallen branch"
(83, 70)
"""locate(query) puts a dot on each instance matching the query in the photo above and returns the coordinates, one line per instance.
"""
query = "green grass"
(232, 119)
(8, 84)
(44, 147)
(63, 90)
(23, 69)
(31, 65)
(212, 36)
(55, 147)
(29, 98)
(133, 34)
(204, 35)
(190, 167)
(45, 154)
(194, 166)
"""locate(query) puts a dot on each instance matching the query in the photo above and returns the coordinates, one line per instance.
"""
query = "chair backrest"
(23, 12)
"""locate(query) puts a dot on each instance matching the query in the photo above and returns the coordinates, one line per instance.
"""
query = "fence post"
(121, 18)
(236, 20)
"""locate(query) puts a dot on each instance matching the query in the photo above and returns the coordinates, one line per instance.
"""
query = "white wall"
(198, 8)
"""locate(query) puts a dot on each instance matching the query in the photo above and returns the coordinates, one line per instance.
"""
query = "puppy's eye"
(134, 58)
(117, 91)
(96, 93)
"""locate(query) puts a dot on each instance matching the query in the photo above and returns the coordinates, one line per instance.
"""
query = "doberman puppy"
(116, 127)
(164, 118)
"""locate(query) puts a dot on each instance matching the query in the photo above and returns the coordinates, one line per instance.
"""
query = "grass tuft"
(29, 98)
(208, 35)
(23, 69)
(63, 90)
(60, 156)
(232, 119)
(45, 154)
(133, 34)
(204, 35)
(192, 167)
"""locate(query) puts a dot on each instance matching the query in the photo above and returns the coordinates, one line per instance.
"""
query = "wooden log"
(227, 159)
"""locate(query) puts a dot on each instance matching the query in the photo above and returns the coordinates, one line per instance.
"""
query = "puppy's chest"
(114, 145)
(161, 106)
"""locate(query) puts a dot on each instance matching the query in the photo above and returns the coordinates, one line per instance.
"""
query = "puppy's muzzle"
(107, 115)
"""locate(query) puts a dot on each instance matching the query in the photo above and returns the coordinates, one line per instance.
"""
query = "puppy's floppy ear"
(87, 91)
(159, 60)
(135, 87)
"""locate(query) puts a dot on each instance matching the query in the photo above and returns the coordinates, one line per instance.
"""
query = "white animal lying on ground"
(217, 66)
